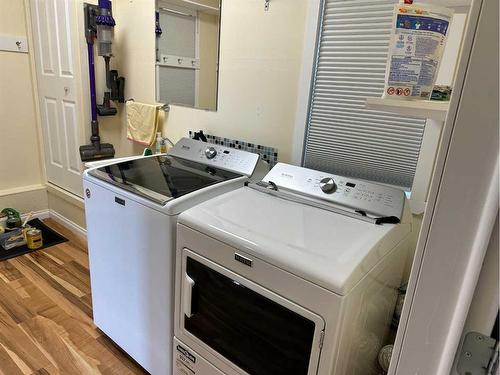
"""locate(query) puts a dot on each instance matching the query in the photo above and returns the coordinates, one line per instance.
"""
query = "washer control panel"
(358, 195)
(226, 158)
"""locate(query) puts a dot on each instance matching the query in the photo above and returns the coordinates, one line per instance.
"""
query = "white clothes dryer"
(295, 275)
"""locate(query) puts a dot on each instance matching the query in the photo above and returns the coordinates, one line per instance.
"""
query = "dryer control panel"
(226, 158)
(357, 195)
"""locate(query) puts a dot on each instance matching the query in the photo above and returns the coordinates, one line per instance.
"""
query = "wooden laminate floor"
(46, 315)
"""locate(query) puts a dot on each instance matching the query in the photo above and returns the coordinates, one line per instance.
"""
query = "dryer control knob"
(210, 152)
(327, 185)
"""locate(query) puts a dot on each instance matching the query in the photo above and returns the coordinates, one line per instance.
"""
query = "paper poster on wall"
(417, 44)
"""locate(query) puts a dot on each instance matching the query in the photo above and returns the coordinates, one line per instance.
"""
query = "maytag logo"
(287, 175)
(186, 354)
(184, 147)
(242, 259)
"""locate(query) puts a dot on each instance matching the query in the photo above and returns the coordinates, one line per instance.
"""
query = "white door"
(54, 31)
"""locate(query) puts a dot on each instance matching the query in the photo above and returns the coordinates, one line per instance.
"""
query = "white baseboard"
(42, 214)
(46, 214)
(75, 228)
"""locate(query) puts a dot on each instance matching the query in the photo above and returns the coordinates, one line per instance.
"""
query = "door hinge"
(477, 355)
(321, 339)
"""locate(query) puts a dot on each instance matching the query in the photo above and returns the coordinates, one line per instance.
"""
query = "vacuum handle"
(113, 84)
(121, 89)
(93, 100)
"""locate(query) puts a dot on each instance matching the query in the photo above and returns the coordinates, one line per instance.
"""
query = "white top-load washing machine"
(131, 212)
(296, 275)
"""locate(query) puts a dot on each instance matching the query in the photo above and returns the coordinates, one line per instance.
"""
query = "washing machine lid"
(326, 248)
(161, 178)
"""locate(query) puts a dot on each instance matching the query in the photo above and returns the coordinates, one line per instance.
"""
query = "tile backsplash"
(267, 153)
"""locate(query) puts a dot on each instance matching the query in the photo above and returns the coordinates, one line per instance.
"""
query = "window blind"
(344, 137)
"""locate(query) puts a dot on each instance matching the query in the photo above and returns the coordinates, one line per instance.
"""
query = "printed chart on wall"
(416, 48)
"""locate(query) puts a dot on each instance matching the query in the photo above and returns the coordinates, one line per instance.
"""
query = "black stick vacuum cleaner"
(99, 24)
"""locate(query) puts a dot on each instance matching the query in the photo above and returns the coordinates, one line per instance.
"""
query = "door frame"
(456, 229)
(82, 115)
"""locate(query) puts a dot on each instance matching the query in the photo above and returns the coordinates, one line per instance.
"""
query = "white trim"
(207, 7)
(165, 6)
(64, 221)
(191, 5)
(41, 214)
(471, 274)
(304, 91)
(427, 109)
(157, 82)
(425, 165)
(22, 189)
(197, 58)
(485, 303)
(417, 342)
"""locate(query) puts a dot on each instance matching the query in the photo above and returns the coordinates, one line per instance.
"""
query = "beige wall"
(21, 176)
(68, 206)
(25, 199)
(209, 40)
(134, 58)
(260, 61)
(259, 70)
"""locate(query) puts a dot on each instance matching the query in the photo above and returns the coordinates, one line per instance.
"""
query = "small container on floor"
(34, 239)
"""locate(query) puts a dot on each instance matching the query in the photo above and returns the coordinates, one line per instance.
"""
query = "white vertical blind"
(344, 137)
(177, 85)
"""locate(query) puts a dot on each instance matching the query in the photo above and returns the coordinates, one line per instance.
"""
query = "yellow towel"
(142, 122)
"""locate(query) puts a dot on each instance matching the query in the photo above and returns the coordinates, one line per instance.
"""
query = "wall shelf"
(428, 109)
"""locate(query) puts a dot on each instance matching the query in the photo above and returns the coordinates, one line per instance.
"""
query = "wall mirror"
(187, 52)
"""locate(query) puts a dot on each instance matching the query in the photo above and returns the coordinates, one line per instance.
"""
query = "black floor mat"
(50, 238)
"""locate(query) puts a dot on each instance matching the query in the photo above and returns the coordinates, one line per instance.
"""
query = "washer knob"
(210, 152)
(327, 185)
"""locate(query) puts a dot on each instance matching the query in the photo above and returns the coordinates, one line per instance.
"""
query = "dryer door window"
(255, 329)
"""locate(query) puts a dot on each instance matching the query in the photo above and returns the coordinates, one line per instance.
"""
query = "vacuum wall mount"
(99, 25)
